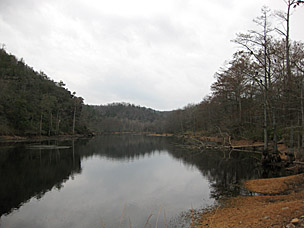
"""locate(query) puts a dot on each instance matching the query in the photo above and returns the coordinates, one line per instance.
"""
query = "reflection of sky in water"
(100, 193)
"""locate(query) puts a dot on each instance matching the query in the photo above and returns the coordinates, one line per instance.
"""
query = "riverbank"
(226, 142)
(15, 139)
(281, 205)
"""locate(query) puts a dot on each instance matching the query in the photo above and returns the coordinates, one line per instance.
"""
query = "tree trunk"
(57, 123)
(302, 115)
(265, 125)
(74, 120)
(240, 114)
(265, 88)
(40, 125)
(291, 140)
(51, 124)
(274, 128)
(288, 70)
(73, 151)
(298, 137)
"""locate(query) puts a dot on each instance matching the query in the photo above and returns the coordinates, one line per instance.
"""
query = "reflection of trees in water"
(122, 147)
(224, 170)
(31, 173)
(27, 173)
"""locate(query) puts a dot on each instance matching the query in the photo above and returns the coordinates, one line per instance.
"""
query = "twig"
(147, 223)
(158, 216)
(298, 163)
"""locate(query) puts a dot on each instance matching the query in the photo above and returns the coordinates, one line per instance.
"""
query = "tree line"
(124, 117)
(259, 93)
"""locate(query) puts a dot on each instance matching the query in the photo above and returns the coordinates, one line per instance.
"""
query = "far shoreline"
(16, 139)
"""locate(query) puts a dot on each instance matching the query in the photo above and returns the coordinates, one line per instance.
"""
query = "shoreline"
(281, 205)
(17, 139)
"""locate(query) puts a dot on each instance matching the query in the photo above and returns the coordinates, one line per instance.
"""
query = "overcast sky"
(155, 53)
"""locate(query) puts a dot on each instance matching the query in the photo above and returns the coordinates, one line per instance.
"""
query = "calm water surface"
(113, 181)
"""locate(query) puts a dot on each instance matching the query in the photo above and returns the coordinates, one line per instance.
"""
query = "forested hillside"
(124, 117)
(32, 104)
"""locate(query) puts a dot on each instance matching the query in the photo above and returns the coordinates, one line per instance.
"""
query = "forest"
(257, 95)
(33, 104)
(124, 117)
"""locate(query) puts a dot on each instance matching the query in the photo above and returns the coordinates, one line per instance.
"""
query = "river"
(114, 181)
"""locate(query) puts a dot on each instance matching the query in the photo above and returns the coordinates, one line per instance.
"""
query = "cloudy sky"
(155, 53)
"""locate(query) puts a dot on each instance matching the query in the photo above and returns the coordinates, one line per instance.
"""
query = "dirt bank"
(264, 210)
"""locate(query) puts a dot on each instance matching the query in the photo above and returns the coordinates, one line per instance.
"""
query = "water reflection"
(30, 173)
(123, 147)
(225, 170)
(132, 176)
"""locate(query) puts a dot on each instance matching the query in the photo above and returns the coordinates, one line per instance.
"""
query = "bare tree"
(258, 45)
(285, 31)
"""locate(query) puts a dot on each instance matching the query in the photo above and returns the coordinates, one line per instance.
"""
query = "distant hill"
(124, 117)
(33, 104)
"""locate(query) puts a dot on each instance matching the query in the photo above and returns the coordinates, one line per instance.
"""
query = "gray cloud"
(161, 54)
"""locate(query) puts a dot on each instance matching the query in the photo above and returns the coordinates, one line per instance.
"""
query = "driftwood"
(256, 148)
(298, 163)
(247, 151)
(197, 143)
(245, 146)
